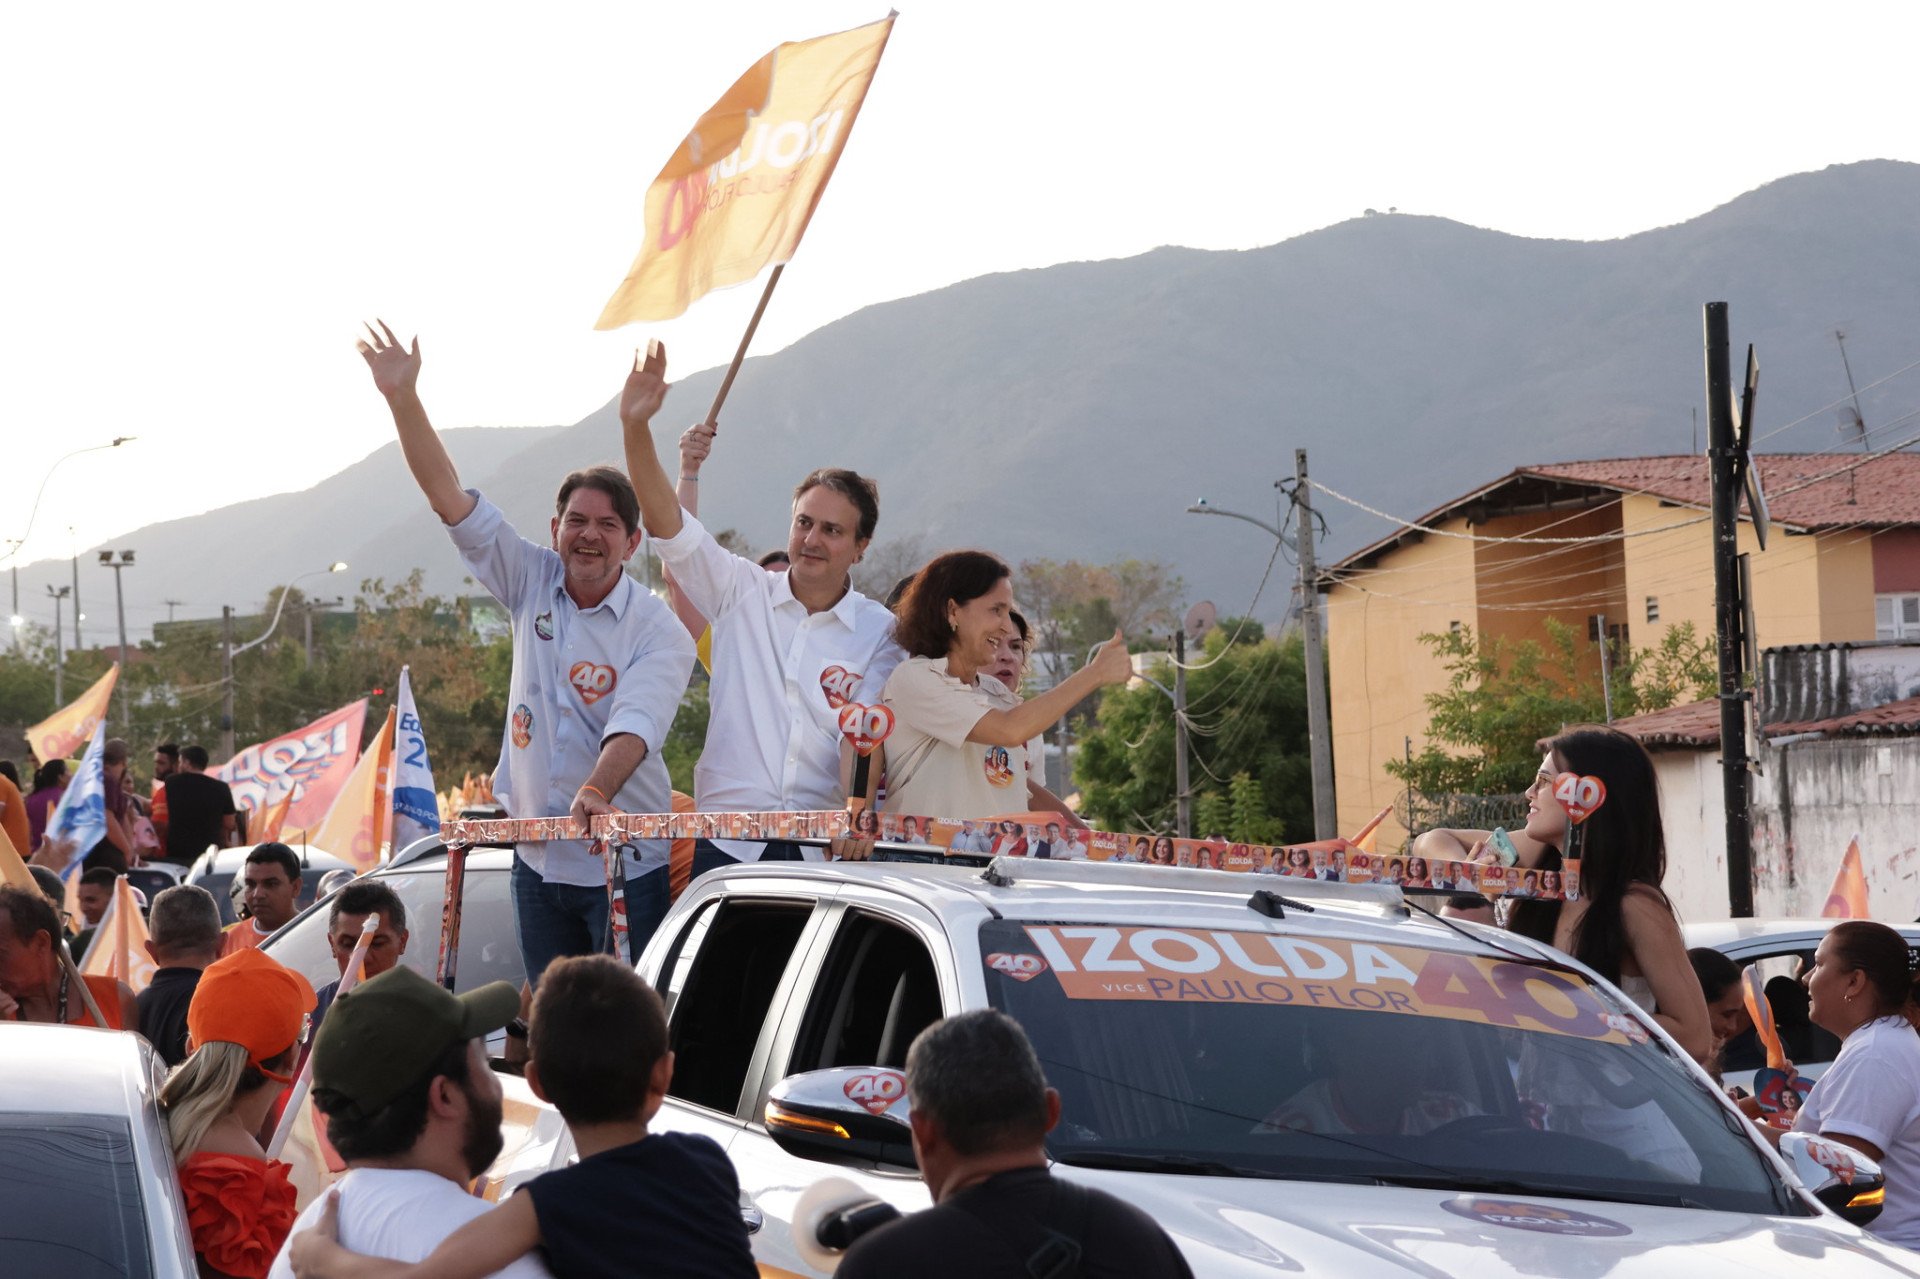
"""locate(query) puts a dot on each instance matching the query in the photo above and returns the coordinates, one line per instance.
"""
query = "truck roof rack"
(1003, 872)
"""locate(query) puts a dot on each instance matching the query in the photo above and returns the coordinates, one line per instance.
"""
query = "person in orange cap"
(244, 1029)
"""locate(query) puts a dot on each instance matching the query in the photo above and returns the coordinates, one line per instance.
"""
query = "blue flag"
(416, 814)
(80, 818)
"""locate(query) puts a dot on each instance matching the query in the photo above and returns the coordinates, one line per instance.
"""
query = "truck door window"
(722, 985)
(877, 990)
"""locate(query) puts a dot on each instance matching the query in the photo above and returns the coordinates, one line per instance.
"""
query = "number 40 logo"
(876, 1090)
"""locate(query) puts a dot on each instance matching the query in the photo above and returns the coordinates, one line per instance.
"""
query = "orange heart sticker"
(866, 726)
(592, 682)
(838, 683)
(1580, 796)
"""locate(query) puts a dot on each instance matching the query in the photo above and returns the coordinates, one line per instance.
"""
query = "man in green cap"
(400, 1071)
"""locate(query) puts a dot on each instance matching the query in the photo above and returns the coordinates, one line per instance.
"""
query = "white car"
(1292, 1078)
(1782, 949)
(87, 1182)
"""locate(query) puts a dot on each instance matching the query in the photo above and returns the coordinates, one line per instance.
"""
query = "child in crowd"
(661, 1203)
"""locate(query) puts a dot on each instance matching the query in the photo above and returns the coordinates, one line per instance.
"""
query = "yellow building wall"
(1808, 588)
(1378, 671)
(1521, 585)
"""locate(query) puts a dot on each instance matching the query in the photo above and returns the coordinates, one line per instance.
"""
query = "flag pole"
(733, 370)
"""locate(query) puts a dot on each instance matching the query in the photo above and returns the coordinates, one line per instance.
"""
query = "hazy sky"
(203, 200)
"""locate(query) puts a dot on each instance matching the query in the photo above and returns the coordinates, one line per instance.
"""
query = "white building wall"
(1810, 799)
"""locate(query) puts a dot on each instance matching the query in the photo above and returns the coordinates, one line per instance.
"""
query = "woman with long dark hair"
(1869, 1098)
(958, 750)
(1622, 926)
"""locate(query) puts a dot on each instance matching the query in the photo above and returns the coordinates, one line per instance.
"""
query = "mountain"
(1077, 410)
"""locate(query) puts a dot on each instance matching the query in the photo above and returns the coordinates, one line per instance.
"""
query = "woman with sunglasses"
(244, 1029)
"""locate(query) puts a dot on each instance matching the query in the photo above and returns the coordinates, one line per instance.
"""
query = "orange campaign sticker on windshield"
(1215, 966)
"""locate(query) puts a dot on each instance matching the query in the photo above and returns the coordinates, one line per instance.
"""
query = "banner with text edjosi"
(312, 762)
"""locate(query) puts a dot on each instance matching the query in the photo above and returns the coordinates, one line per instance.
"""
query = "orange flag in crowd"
(119, 946)
(266, 824)
(739, 192)
(68, 730)
(12, 869)
(1370, 833)
(361, 819)
(1847, 899)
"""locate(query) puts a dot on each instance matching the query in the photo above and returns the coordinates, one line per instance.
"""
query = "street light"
(1285, 538)
(1319, 740)
(120, 606)
(229, 652)
(14, 544)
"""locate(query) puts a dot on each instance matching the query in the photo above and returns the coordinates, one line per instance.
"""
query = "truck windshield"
(1264, 1054)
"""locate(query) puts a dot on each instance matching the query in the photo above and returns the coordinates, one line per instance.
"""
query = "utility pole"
(1725, 472)
(226, 681)
(120, 608)
(1319, 738)
(1606, 667)
(77, 644)
(1182, 786)
(59, 593)
(171, 605)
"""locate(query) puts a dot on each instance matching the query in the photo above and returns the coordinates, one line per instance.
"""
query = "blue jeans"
(707, 857)
(556, 920)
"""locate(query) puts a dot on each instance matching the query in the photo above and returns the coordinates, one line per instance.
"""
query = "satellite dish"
(1200, 619)
(1757, 503)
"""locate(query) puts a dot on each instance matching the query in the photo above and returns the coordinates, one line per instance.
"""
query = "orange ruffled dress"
(238, 1209)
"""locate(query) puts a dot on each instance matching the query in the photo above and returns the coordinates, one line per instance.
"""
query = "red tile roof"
(1697, 724)
(1805, 490)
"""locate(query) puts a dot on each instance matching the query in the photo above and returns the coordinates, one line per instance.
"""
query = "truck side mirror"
(856, 1116)
(1837, 1175)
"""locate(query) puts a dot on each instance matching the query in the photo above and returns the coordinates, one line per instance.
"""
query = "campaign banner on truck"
(310, 763)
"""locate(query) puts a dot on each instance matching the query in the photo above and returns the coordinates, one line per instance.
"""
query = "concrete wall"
(1810, 799)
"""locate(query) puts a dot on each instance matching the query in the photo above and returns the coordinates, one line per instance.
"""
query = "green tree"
(1248, 741)
(1502, 697)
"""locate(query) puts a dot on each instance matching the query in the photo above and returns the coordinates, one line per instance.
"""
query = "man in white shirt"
(789, 649)
(599, 666)
(400, 1070)
(970, 839)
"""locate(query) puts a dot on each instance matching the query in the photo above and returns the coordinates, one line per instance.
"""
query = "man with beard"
(400, 1070)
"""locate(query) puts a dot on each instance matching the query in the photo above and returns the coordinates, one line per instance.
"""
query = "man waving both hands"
(599, 666)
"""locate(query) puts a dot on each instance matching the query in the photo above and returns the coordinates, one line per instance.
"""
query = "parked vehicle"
(1324, 1082)
(90, 1188)
(218, 869)
(489, 950)
(1782, 949)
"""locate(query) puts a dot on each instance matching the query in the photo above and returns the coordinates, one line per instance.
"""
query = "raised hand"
(696, 442)
(646, 386)
(395, 368)
(1111, 663)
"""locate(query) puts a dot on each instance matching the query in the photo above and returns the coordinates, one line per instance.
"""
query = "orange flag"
(1370, 833)
(361, 820)
(12, 869)
(69, 729)
(1847, 899)
(119, 947)
(266, 824)
(739, 191)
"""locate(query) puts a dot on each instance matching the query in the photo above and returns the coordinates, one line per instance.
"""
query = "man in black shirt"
(200, 809)
(981, 1114)
(184, 931)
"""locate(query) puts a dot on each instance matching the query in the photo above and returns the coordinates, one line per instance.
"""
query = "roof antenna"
(1850, 418)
